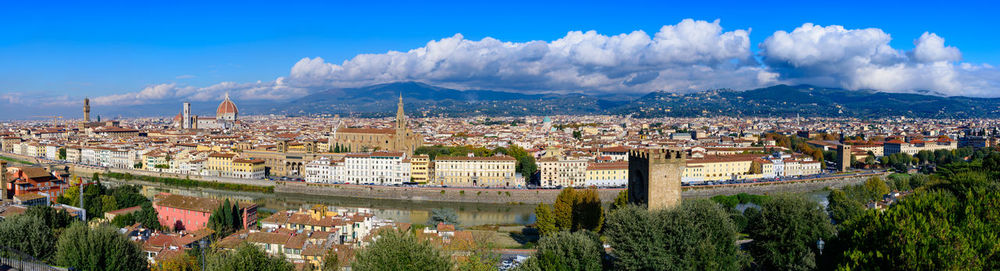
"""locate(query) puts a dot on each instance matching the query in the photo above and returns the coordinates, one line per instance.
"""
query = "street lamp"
(819, 245)
(201, 245)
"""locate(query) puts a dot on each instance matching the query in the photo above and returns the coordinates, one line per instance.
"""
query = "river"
(417, 212)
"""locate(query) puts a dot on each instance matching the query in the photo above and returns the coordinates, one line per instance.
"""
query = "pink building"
(186, 213)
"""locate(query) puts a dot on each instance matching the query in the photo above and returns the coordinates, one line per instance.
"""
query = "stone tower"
(86, 110)
(3, 181)
(654, 177)
(843, 157)
(186, 122)
(400, 118)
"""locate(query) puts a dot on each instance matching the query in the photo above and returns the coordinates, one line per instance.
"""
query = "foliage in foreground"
(247, 257)
(697, 235)
(785, 232)
(101, 248)
(395, 250)
(574, 210)
(566, 251)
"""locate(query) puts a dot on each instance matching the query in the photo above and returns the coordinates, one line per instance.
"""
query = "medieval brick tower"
(86, 110)
(3, 181)
(654, 177)
(843, 157)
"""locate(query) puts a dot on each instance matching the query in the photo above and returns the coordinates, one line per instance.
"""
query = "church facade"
(399, 139)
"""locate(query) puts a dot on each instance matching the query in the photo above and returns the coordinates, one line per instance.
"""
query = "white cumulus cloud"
(863, 59)
(691, 55)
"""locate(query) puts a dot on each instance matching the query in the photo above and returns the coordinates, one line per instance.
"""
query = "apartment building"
(494, 171)
(562, 172)
(611, 174)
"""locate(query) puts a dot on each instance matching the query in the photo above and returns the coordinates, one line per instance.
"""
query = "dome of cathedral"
(226, 107)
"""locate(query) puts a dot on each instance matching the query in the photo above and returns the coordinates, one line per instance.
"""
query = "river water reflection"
(417, 212)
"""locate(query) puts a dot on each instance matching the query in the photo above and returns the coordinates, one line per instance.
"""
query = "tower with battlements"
(844, 157)
(654, 177)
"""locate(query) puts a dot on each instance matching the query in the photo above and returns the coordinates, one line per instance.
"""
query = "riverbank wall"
(548, 196)
(479, 195)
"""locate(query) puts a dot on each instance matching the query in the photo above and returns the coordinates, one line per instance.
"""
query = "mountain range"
(779, 101)
(423, 100)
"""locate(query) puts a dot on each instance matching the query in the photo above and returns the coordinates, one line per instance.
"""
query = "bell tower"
(86, 110)
(400, 118)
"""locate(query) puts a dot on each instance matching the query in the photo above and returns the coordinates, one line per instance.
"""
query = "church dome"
(226, 107)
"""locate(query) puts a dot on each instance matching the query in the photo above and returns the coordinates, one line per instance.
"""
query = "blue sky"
(76, 49)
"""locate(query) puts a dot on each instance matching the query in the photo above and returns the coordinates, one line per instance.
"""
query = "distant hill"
(425, 100)
(805, 100)
(779, 101)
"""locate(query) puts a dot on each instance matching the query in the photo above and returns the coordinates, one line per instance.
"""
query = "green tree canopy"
(698, 235)
(394, 250)
(247, 257)
(567, 251)
(544, 220)
(101, 248)
(442, 215)
(785, 232)
(28, 234)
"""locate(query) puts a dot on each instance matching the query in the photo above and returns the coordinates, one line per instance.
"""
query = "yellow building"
(607, 174)
(220, 164)
(248, 168)
(421, 168)
(494, 171)
(719, 168)
(154, 158)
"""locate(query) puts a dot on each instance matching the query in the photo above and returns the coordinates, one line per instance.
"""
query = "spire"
(400, 116)
(227, 95)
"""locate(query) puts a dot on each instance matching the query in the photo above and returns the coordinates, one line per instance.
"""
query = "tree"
(928, 231)
(443, 215)
(247, 257)
(544, 220)
(225, 219)
(177, 262)
(123, 220)
(567, 251)
(620, 201)
(588, 213)
(482, 255)
(128, 196)
(876, 188)
(28, 234)
(62, 153)
(55, 218)
(698, 235)
(331, 262)
(148, 216)
(842, 208)
(563, 208)
(95, 177)
(108, 203)
(395, 250)
(101, 248)
(785, 232)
